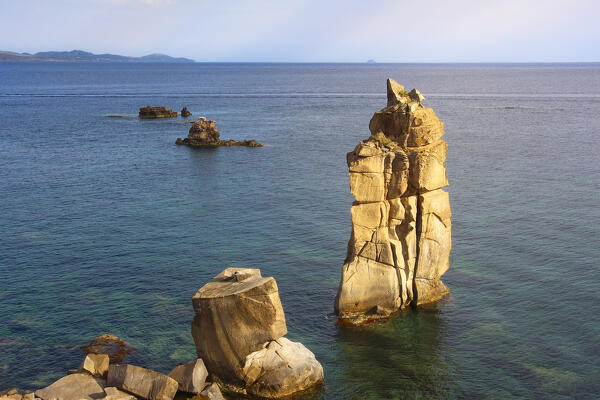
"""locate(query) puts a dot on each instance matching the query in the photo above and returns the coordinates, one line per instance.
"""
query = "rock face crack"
(401, 231)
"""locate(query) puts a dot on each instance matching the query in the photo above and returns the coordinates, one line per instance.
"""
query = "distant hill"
(80, 55)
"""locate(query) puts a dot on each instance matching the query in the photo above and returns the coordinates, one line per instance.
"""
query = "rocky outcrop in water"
(157, 112)
(116, 348)
(185, 112)
(238, 329)
(400, 242)
(204, 133)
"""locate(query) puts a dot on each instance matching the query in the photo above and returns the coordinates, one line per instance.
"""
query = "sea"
(108, 227)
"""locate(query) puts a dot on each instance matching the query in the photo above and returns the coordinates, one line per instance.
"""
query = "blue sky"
(310, 30)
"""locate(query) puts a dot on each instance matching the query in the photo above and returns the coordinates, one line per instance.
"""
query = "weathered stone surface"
(117, 349)
(400, 242)
(185, 112)
(157, 112)
(211, 392)
(427, 168)
(73, 387)
(204, 133)
(408, 128)
(95, 364)
(395, 93)
(235, 314)
(435, 242)
(191, 376)
(366, 284)
(142, 382)
(281, 368)
(112, 393)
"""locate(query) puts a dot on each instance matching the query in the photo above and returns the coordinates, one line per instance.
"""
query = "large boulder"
(400, 242)
(235, 314)
(142, 382)
(117, 349)
(238, 329)
(74, 387)
(191, 376)
(281, 368)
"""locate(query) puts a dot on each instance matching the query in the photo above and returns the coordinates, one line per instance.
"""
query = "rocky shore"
(401, 230)
(238, 328)
(204, 133)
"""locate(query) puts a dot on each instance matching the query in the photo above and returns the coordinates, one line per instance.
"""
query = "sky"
(310, 30)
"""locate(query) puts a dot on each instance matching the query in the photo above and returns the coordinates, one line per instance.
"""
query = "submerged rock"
(142, 382)
(400, 242)
(157, 112)
(74, 387)
(204, 133)
(238, 329)
(185, 112)
(117, 349)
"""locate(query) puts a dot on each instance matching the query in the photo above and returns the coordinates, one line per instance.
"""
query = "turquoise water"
(108, 227)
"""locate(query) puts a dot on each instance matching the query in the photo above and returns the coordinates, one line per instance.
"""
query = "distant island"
(80, 55)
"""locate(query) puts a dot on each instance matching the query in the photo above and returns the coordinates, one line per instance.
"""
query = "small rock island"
(204, 133)
(185, 112)
(157, 112)
(401, 232)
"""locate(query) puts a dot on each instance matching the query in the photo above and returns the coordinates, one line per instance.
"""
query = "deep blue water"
(108, 227)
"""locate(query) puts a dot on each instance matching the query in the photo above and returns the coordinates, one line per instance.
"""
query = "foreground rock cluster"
(204, 133)
(238, 327)
(401, 231)
(101, 375)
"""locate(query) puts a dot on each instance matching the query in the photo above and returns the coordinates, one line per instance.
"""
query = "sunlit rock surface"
(401, 231)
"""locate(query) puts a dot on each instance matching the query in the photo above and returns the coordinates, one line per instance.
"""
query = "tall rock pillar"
(400, 242)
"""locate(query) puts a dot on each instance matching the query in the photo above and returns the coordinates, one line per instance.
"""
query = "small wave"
(506, 108)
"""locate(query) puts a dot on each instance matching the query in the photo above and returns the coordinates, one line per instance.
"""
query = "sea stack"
(400, 242)
(239, 329)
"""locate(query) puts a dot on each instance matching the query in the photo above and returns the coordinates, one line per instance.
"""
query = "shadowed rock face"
(204, 133)
(157, 112)
(400, 242)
